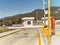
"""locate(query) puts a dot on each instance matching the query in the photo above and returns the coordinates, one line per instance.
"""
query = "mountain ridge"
(38, 13)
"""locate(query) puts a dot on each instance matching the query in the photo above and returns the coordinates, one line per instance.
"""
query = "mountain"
(38, 14)
(55, 11)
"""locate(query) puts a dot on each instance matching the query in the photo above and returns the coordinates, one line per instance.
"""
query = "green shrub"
(5, 30)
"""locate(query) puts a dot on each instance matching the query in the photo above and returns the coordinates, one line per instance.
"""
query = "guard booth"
(46, 20)
(28, 21)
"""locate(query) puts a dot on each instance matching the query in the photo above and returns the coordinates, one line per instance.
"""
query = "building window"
(29, 22)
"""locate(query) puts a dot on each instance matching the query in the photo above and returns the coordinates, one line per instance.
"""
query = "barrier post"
(49, 31)
(53, 25)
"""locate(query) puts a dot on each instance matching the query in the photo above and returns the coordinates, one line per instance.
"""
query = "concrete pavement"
(23, 37)
(55, 40)
(28, 37)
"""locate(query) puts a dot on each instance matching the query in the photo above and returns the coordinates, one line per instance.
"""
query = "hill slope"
(16, 19)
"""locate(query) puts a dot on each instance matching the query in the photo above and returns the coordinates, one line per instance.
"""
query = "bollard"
(46, 33)
(53, 25)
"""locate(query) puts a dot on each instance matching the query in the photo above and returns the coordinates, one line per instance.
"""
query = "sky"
(13, 7)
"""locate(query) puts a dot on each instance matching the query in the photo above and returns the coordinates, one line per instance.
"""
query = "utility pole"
(44, 10)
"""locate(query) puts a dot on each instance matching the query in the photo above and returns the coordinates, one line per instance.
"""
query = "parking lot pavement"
(23, 37)
(28, 37)
(55, 40)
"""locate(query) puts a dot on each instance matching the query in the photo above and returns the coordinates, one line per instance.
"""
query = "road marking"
(39, 39)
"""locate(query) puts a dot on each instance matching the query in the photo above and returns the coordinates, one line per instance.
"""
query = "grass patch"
(5, 29)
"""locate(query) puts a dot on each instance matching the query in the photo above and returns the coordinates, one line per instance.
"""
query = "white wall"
(25, 23)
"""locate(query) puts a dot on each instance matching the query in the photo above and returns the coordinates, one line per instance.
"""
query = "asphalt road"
(23, 37)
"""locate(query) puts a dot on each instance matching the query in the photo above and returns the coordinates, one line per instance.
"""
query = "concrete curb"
(8, 33)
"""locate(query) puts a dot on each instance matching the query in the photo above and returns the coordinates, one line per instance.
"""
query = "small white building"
(46, 19)
(57, 22)
(28, 21)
